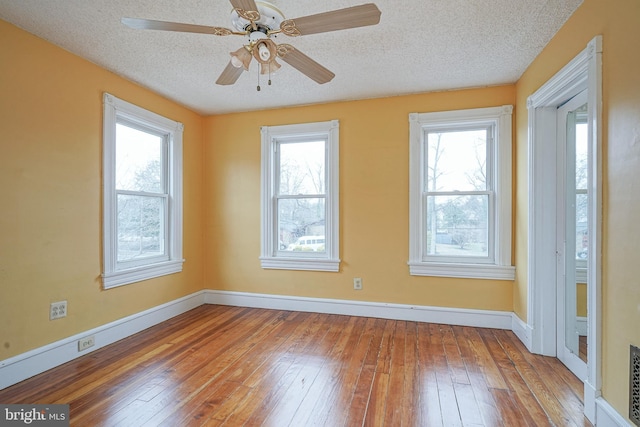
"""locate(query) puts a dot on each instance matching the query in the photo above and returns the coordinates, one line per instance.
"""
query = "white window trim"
(113, 275)
(501, 269)
(269, 256)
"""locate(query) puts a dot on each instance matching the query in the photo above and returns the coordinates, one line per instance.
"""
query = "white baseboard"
(449, 316)
(607, 416)
(26, 365)
(591, 395)
(522, 330)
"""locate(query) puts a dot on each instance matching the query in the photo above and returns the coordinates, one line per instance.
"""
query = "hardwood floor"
(233, 366)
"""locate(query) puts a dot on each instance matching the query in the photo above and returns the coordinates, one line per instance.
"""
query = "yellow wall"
(374, 201)
(50, 192)
(619, 23)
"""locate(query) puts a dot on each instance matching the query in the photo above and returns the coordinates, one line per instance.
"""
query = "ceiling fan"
(258, 21)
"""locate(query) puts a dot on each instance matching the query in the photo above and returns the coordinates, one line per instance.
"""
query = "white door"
(572, 233)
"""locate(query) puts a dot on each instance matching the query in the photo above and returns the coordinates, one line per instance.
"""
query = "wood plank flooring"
(233, 366)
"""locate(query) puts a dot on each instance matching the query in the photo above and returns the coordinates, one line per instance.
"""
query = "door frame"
(583, 72)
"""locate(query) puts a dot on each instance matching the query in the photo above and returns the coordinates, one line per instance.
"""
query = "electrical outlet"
(57, 310)
(357, 283)
(86, 342)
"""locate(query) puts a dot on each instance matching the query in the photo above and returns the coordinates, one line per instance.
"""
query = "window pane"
(140, 227)
(138, 160)
(301, 224)
(302, 167)
(457, 161)
(582, 222)
(581, 155)
(457, 226)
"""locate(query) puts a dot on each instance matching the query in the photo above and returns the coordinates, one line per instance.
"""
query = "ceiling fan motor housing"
(270, 19)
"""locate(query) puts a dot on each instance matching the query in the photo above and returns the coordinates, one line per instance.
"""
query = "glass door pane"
(573, 224)
(576, 230)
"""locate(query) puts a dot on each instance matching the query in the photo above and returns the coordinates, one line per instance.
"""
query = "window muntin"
(142, 194)
(300, 197)
(460, 193)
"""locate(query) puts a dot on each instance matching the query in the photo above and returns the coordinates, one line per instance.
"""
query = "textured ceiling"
(419, 46)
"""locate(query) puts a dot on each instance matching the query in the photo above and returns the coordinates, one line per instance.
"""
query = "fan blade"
(244, 5)
(304, 64)
(341, 19)
(229, 75)
(246, 9)
(149, 24)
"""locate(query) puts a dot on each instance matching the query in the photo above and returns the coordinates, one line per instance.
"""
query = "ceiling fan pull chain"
(258, 79)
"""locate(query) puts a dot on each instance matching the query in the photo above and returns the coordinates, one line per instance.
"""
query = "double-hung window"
(142, 166)
(460, 194)
(300, 197)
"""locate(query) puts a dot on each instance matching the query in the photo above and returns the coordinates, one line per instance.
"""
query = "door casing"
(583, 72)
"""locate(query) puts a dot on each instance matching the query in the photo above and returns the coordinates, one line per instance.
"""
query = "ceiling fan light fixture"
(241, 58)
(270, 68)
(264, 51)
(236, 62)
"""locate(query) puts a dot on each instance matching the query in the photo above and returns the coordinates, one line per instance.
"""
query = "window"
(142, 194)
(460, 194)
(300, 197)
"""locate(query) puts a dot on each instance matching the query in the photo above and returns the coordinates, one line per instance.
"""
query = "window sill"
(137, 274)
(331, 265)
(465, 271)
